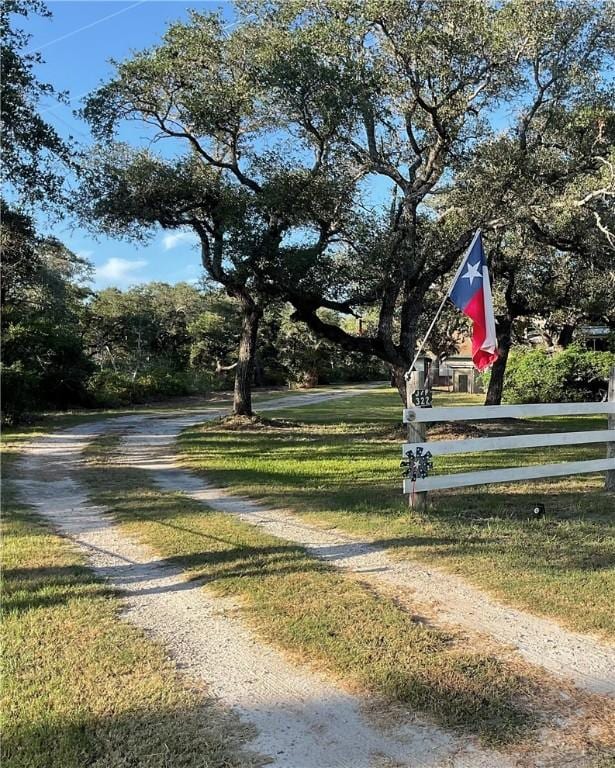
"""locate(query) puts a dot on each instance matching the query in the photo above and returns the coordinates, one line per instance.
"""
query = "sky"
(77, 44)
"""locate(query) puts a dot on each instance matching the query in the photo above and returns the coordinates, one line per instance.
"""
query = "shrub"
(43, 366)
(572, 375)
(114, 388)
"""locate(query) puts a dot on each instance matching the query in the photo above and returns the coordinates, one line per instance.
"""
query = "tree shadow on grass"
(574, 534)
(249, 562)
(466, 683)
(25, 589)
(206, 736)
(560, 503)
(467, 691)
(160, 737)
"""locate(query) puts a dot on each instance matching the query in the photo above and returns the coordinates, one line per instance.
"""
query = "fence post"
(416, 434)
(609, 482)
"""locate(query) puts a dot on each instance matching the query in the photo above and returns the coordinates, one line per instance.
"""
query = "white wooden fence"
(417, 418)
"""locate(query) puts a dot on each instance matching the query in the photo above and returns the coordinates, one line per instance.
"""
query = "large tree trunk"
(244, 372)
(398, 379)
(496, 382)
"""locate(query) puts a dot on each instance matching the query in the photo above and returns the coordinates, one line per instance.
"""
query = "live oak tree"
(422, 75)
(305, 117)
(420, 79)
(238, 183)
(240, 243)
(287, 117)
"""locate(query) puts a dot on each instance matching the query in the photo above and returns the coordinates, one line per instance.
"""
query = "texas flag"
(471, 293)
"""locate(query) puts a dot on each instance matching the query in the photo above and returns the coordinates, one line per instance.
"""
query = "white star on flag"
(473, 271)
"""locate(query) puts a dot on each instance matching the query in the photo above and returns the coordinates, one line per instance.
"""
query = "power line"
(86, 26)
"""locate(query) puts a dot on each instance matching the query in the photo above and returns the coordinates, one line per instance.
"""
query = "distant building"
(596, 337)
(457, 372)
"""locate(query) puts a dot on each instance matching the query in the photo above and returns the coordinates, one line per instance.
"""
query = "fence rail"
(418, 484)
(483, 412)
(512, 474)
(480, 444)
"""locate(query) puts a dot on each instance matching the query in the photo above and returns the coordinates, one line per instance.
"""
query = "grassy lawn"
(81, 687)
(12, 437)
(340, 466)
(320, 616)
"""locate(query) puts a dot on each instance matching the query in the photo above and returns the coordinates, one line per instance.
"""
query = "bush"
(573, 375)
(114, 388)
(43, 366)
(19, 388)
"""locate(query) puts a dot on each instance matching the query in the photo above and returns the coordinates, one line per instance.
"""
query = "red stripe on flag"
(475, 310)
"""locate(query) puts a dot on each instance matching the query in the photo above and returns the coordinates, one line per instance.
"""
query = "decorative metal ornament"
(417, 464)
(422, 398)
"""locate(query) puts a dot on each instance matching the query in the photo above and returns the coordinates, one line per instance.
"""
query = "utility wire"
(86, 26)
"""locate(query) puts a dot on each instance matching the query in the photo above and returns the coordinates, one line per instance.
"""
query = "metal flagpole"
(441, 307)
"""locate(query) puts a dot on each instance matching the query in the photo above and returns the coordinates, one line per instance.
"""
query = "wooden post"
(609, 482)
(416, 434)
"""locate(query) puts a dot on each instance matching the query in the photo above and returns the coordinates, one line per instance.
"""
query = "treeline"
(44, 362)
(159, 340)
(64, 345)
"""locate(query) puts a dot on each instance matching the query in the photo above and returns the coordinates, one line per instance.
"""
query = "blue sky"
(76, 45)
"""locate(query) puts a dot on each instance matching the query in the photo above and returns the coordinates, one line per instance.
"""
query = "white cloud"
(119, 272)
(177, 238)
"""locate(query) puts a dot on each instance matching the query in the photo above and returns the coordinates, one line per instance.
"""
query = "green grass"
(81, 687)
(318, 615)
(12, 437)
(340, 466)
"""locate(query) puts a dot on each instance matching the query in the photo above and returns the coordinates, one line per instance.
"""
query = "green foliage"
(574, 374)
(307, 359)
(146, 326)
(143, 342)
(113, 388)
(288, 352)
(215, 333)
(43, 358)
(31, 147)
